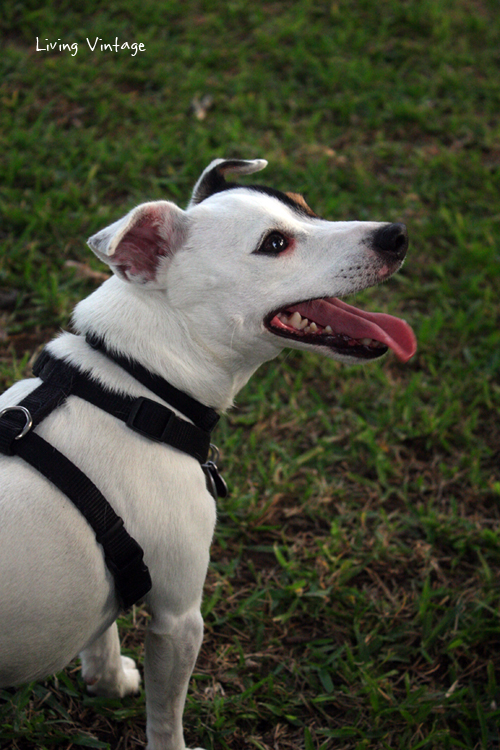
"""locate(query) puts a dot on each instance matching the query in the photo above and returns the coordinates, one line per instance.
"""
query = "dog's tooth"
(328, 329)
(366, 342)
(295, 320)
(313, 327)
(303, 324)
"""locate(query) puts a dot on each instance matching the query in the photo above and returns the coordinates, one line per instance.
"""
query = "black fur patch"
(214, 182)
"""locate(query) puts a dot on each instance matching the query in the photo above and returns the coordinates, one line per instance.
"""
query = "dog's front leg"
(172, 646)
(105, 671)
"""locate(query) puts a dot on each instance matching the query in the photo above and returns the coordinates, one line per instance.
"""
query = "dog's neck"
(140, 324)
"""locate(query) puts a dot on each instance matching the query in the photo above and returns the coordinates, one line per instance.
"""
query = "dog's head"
(250, 269)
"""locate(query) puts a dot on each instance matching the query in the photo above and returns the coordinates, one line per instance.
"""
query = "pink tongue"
(346, 319)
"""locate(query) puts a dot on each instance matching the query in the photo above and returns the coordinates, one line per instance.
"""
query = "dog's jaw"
(345, 331)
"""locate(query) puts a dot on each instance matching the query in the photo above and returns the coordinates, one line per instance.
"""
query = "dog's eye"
(274, 244)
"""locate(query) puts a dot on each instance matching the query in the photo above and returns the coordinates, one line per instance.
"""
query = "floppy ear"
(213, 178)
(134, 247)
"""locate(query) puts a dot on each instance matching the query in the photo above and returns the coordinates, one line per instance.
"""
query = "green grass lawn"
(352, 601)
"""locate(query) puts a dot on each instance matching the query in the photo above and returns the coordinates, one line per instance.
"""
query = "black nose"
(391, 241)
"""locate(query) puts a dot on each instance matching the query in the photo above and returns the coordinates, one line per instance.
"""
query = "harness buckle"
(130, 572)
(145, 423)
(132, 580)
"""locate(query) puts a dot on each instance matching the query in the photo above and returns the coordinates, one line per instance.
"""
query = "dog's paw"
(132, 678)
(117, 685)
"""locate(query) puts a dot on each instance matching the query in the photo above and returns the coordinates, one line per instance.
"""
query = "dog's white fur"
(192, 312)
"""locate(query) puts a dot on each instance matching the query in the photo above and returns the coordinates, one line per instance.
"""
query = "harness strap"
(203, 416)
(143, 415)
(123, 555)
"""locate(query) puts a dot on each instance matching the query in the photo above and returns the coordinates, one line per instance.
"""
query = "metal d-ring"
(29, 419)
(213, 454)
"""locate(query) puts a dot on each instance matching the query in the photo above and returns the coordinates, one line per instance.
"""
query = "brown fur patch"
(300, 201)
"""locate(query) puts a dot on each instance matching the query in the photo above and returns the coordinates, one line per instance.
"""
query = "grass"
(353, 596)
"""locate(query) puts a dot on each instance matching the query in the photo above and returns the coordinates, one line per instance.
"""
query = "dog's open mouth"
(344, 329)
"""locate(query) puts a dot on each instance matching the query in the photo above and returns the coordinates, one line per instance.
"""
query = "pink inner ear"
(140, 249)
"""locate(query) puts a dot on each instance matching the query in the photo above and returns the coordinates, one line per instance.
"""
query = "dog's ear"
(136, 246)
(213, 178)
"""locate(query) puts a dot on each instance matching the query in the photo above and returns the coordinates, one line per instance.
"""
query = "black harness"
(123, 555)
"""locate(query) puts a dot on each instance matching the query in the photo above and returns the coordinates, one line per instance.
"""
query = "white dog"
(201, 298)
